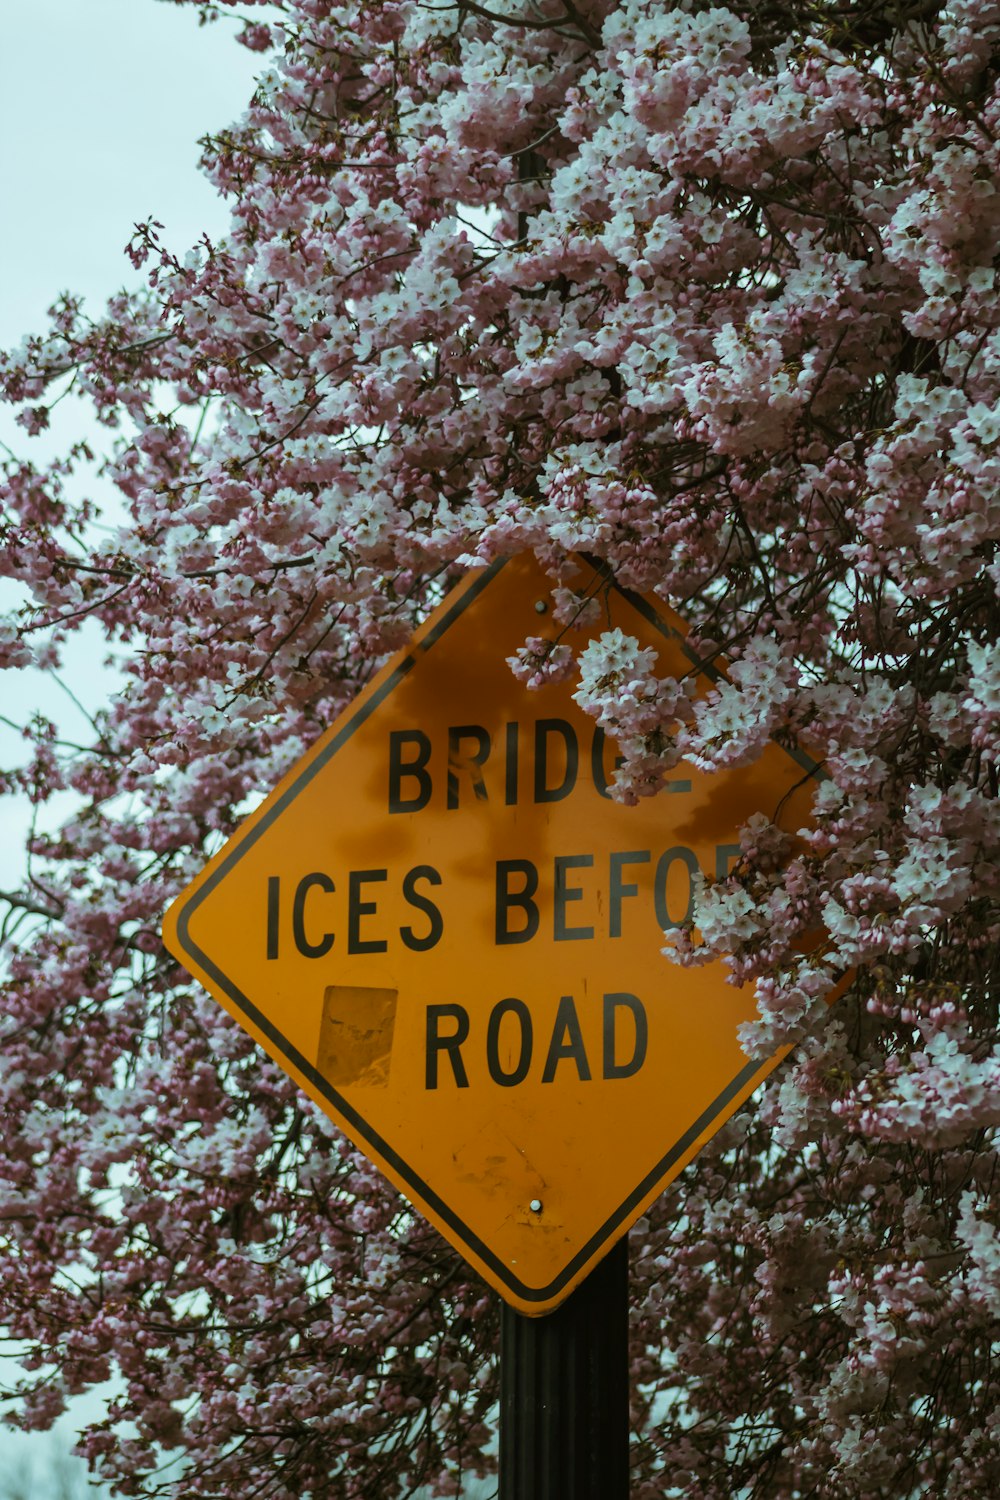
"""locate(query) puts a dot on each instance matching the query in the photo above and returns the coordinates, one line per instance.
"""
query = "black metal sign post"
(564, 1391)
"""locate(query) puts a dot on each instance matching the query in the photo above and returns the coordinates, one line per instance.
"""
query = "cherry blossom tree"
(709, 293)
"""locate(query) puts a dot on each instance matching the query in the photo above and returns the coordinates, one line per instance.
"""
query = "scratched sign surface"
(445, 930)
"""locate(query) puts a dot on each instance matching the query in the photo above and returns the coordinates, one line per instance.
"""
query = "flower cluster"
(708, 293)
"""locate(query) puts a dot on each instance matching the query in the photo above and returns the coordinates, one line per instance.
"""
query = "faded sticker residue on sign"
(355, 1039)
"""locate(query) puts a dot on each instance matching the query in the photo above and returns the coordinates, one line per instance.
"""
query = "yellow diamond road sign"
(445, 930)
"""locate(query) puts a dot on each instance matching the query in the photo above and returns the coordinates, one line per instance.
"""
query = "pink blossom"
(708, 294)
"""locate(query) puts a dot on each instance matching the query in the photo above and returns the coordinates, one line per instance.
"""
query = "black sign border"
(612, 1227)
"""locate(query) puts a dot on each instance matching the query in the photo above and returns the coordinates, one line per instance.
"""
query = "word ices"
(314, 939)
(509, 1042)
(550, 746)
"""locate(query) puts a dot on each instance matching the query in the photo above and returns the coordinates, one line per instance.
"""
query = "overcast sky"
(101, 106)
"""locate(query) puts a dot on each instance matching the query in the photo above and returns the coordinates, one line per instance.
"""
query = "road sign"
(442, 926)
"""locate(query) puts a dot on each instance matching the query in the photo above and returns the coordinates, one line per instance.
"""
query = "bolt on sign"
(443, 927)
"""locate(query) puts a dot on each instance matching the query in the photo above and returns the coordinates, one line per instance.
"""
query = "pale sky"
(101, 106)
